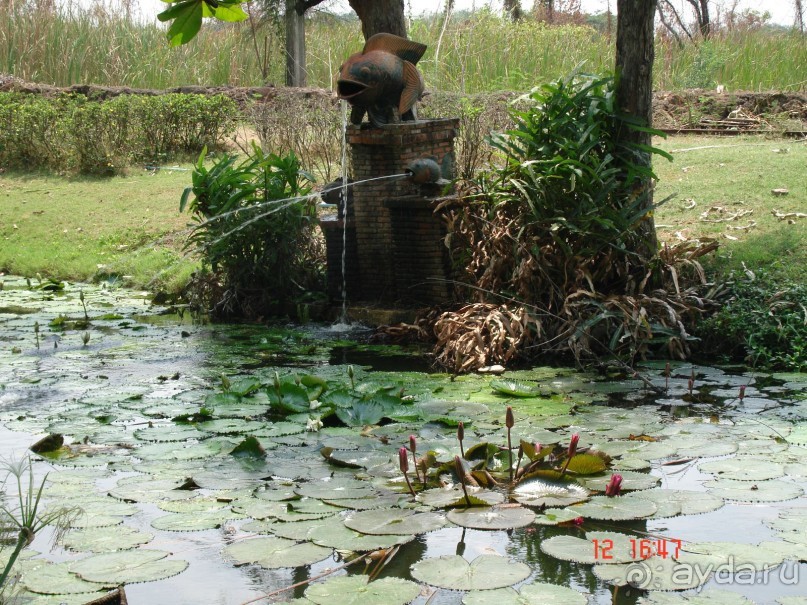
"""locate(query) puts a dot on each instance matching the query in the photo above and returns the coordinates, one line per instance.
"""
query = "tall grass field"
(481, 52)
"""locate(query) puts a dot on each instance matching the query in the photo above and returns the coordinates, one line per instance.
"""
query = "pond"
(218, 463)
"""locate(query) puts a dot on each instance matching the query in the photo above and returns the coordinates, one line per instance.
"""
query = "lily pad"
(398, 522)
(744, 468)
(492, 518)
(672, 502)
(538, 593)
(655, 573)
(618, 508)
(442, 497)
(356, 590)
(597, 547)
(56, 578)
(486, 572)
(514, 388)
(105, 539)
(539, 492)
(272, 552)
(749, 491)
(128, 567)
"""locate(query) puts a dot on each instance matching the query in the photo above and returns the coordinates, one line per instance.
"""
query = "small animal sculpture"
(382, 79)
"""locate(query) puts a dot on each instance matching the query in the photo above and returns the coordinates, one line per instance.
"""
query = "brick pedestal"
(398, 239)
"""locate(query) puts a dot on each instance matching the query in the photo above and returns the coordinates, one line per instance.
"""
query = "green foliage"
(255, 233)
(763, 323)
(20, 515)
(565, 165)
(186, 17)
(71, 133)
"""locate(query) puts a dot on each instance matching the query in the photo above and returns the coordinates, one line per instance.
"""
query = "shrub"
(559, 230)
(256, 234)
(762, 323)
(71, 133)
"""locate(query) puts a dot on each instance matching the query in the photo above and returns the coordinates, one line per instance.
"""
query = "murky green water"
(152, 401)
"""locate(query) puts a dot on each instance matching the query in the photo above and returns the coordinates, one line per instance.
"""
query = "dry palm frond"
(482, 334)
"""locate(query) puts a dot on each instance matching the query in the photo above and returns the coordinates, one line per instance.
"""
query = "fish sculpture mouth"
(347, 89)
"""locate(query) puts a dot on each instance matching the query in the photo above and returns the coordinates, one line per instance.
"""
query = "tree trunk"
(635, 52)
(513, 9)
(295, 45)
(379, 16)
(798, 6)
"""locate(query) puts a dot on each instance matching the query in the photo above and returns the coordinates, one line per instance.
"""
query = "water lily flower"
(573, 445)
(509, 421)
(403, 463)
(614, 486)
(570, 452)
(313, 424)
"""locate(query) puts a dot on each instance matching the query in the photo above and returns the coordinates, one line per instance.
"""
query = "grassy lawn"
(126, 228)
(731, 179)
(130, 227)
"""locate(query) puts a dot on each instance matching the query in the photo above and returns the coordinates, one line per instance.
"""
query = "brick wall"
(392, 239)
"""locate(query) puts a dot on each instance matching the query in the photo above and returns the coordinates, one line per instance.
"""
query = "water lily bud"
(742, 391)
(667, 369)
(573, 445)
(509, 420)
(537, 447)
(403, 459)
(614, 486)
(350, 372)
(460, 470)
(460, 431)
(413, 444)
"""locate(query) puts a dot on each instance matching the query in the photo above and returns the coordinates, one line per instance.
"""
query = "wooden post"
(295, 46)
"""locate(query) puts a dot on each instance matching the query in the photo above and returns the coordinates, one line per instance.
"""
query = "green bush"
(256, 235)
(71, 133)
(763, 323)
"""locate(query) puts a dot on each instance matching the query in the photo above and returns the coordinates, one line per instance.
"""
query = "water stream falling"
(343, 199)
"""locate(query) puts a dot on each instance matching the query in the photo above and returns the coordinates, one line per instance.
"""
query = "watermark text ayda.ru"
(646, 574)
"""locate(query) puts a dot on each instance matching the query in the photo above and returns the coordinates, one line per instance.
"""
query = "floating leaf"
(56, 578)
(619, 508)
(744, 468)
(492, 518)
(672, 502)
(555, 516)
(597, 547)
(356, 590)
(399, 522)
(630, 481)
(128, 567)
(274, 553)
(340, 487)
(514, 388)
(706, 597)
(538, 593)
(105, 539)
(586, 464)
(748, 491)
(655, 573)
(196, 521)
(486, 572)
(539, 492)
(449, 497)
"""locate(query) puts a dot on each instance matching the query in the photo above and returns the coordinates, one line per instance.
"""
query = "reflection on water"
(142, 367)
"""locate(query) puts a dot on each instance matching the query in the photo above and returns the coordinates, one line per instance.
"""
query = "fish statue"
(382, 79)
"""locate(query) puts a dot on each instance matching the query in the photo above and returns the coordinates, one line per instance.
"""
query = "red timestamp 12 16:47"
(642, 548)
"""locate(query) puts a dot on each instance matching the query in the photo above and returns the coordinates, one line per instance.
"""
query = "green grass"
(65, 228)
(123, 228)
(480, 53)
(737, 175)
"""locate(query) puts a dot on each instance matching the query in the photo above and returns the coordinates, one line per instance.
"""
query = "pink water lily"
(614, 486)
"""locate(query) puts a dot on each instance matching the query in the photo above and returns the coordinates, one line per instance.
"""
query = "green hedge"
(72, 134)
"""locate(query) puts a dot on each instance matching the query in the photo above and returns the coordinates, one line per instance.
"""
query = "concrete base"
(374, 316)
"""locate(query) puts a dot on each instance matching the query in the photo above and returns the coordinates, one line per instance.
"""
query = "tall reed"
(483, 52)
